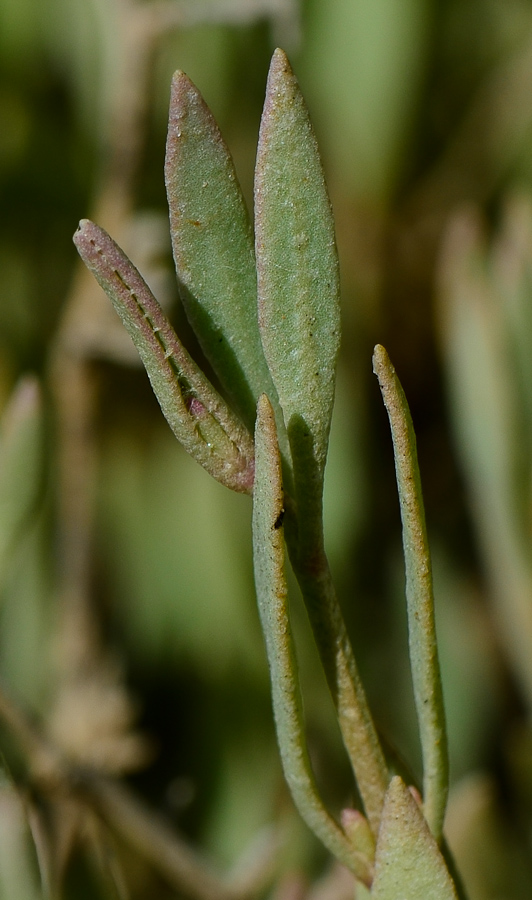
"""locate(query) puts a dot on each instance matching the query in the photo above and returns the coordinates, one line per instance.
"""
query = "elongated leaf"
(420, 599)
(297, 268)
(197, 415)
(299, 319)
(408, 863)
(18, 876)
(488, 421)
(213, 249)
(20, 463)
(268, 555)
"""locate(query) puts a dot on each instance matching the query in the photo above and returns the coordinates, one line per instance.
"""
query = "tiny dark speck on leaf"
(279, 520)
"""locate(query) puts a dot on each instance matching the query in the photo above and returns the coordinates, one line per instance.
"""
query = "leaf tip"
(280, 59)
(184, 96)
(280, 72)
(84, 234)
(188, 115)
(181, 86)
(379, 358)
(383, 367)
(265, 415)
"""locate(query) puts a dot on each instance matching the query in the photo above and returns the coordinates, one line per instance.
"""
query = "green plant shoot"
(283, 352)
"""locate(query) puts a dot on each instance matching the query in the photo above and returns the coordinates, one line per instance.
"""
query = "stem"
(272, 595)
(354, 717)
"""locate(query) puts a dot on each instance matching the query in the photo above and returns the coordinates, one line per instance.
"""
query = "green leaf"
(488, 421)
(20, 463)
(197, 415)
(364, 64)
(299, 318)
(426, 677)
(408, 863)
(213, 249)
(19, 879)
(298, 281)
(272, 595)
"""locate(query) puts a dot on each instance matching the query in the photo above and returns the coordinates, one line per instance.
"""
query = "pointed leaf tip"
(408, 862)
(280, 61)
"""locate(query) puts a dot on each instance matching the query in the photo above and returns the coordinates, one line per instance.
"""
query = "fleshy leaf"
(20, 463)
(408, 862)
(426, 677)
(299, 319)
(297, 269)
(272, 595)
(197, 415)
(213, 249)
(490, 429)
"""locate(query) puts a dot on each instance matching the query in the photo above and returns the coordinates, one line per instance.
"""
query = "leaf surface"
(297, 269)
(198, 416)
(20, 464)
(428, 694)
(213, 249)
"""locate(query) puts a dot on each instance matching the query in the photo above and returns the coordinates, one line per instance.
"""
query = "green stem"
(268, 551)
(354, 717)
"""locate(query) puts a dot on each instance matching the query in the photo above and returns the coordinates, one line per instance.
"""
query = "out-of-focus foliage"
(423, 114)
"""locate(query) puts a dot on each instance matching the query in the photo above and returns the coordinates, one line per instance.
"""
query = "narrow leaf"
(197, 415)
(270, 581)
(420, 599)
(20, 463)
(213, 248)
(408, 863)
(299, 318)
(488, 420)
(297, 268)
(18, 876)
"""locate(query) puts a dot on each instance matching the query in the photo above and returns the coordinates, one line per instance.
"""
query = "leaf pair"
(296, 269)
(213, 248)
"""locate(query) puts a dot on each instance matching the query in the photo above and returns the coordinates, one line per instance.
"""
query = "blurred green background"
(423, 113)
